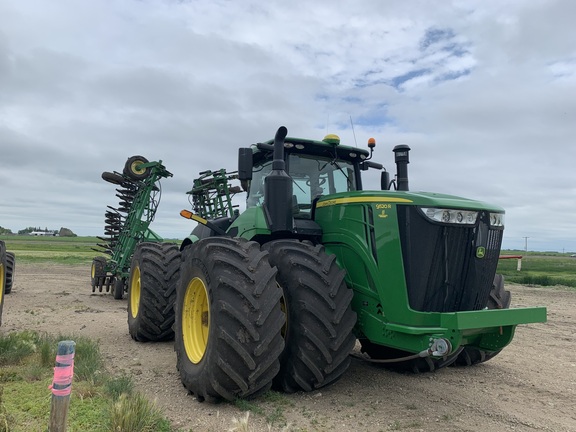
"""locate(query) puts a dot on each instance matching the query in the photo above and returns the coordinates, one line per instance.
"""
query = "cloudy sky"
(484, 92)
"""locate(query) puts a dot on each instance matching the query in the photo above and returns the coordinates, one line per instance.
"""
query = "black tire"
(318, 333)
(132, 171)
(154, 271)
(97, 273)
(499, 299)
(2, 276)
(119, 287)
(112, 178)
(228, 320)
(10, 270)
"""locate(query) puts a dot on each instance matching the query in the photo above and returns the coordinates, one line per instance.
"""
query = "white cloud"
(481, 91)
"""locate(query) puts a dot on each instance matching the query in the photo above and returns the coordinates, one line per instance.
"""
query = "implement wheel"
(499, 299)
(318, 334)
(10, 269)
(133, 169)
(228, 320)
(2, 276)
(152, 290)
(97, 273)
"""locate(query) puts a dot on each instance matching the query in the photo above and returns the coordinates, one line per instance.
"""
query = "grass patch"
(546, 269)
(60, 250)
(99, 402)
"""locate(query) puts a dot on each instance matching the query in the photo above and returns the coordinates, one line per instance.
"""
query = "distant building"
(43, 233)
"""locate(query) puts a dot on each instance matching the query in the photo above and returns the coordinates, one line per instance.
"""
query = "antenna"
(353, 133)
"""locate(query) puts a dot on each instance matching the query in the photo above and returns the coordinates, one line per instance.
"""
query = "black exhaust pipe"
(278, 189)
(401, 157)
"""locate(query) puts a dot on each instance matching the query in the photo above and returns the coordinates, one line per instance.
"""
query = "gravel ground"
(530, 386)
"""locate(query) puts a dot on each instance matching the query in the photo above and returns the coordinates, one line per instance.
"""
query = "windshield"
(312, 177)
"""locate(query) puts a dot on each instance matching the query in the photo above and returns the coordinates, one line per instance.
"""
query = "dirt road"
(530, 386)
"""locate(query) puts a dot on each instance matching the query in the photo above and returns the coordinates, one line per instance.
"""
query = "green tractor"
(140, 262)
(7, 268)
(279, 294)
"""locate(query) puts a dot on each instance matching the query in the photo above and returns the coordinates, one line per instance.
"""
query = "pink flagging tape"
(62, 382)
(65, 358)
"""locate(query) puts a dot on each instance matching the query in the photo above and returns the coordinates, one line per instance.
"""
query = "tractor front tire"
(152, 284)
(499, 299)
(228, 320)
(318, 332)
(10, 269)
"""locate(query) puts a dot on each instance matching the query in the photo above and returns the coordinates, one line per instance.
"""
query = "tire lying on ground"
(10, 269)
(319, 318)
(499, 299)
(154, 271)
(228, 320)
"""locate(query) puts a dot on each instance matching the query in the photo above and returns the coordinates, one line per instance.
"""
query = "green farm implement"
(136, 253)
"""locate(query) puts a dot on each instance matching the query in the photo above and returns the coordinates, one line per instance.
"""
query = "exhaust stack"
(401, 157)
(278, 189)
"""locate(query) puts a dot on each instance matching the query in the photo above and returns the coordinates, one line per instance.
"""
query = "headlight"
(451, 216)
(497, 220)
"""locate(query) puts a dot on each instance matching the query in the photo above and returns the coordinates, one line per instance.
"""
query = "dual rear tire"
(243, 326)
(229, 321)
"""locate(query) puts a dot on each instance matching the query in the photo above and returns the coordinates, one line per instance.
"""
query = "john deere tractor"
(280, 293)
(140, 261)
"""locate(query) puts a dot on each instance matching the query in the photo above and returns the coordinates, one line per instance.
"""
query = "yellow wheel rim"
(136, 164)
(195, 320)
(135, 292)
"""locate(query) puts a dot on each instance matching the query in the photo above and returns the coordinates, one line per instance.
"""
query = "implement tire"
(97, 273)
(154, 271)
(133, 170)
(2, 276)
(319, 317)
(10, 269)
(228, 320)
(499, 299)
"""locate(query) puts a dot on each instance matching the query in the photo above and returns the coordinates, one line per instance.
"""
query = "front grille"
(442, 271)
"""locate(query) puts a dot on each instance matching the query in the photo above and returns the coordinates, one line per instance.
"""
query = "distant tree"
(65, 232)
(5, 231)
(27, 230)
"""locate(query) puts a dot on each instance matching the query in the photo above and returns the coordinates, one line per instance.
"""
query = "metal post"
(62, 386)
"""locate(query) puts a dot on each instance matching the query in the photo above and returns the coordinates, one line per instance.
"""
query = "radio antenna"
(353, 133)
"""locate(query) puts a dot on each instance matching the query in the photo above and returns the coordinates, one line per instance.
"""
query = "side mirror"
(245, 163)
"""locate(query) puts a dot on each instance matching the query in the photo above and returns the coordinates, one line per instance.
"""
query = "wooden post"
(62, 386)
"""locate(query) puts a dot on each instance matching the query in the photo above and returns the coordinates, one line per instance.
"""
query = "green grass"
(546, 269)
(99, 402)
(61, 250)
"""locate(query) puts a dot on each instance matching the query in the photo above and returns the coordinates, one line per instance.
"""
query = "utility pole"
(525, 243)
